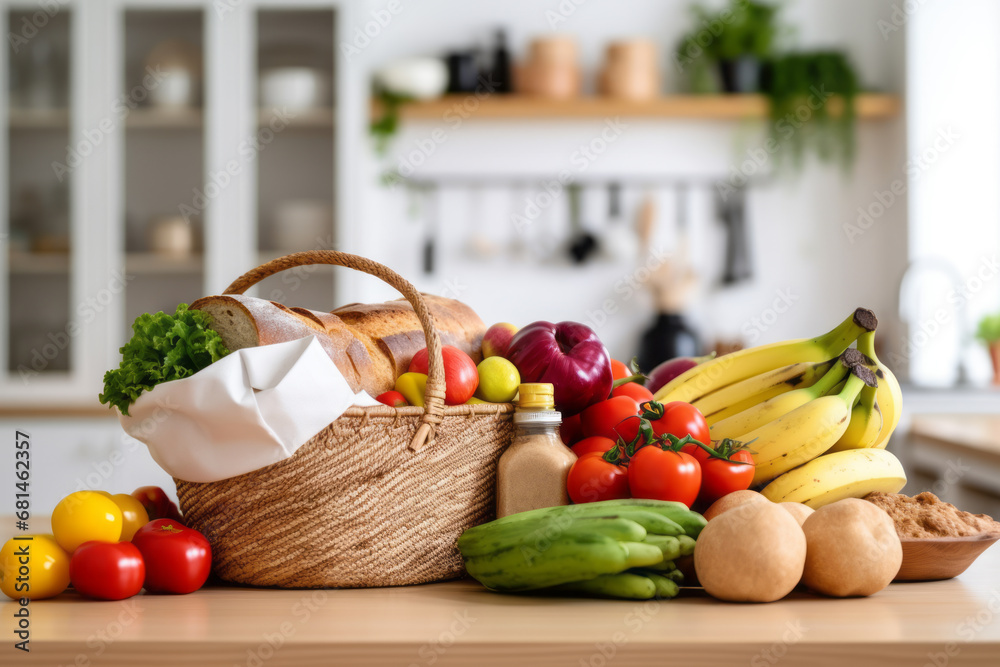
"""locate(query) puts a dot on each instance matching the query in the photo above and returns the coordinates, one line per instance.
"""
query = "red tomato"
(571, 430)
(593, 444)
(633, 390)
(393, 399)
(592, 478)
(679, 418)
(619, 370)
(601, 418)
(178, 558)
(157, 503)
(107, 570)
(720, 477)
(664, 475)
(460, 375)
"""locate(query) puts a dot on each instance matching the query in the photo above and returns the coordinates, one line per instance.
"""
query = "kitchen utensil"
(731, 209)
(419, 78)
(302, 224)
(523, 229)
(630, 70)
(929, 559)
(180, 66)
(171, 235)
(582, 244)
(478, 244)
(618, 242)
(671, 282)
(432, 211)
(294, 88)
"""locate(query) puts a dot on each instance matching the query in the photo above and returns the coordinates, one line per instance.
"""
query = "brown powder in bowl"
(924, 516)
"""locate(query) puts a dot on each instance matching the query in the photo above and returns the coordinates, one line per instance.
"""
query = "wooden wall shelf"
(705, 107)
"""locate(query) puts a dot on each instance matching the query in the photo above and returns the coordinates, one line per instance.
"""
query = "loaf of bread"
(371, 344)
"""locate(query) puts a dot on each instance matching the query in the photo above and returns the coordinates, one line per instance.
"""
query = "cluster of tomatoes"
(630, 446)
(107, 547)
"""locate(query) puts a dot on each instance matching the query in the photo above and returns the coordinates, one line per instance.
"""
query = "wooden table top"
(460, 623)
(973, 434)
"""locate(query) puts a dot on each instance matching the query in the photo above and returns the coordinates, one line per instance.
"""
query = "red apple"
(568, 355)
(497, 339)
(156, 503)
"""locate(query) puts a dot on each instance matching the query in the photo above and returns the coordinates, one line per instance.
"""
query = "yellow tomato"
(33, 568)
(84, 516)
(134, 515)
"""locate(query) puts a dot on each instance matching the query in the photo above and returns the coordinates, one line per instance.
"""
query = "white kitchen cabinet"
(131, 127)
(70, 455)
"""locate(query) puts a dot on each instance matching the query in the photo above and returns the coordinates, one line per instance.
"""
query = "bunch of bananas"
(816, 413)
(613, 548)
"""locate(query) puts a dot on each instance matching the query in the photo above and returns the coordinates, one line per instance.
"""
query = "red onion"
(671, 368)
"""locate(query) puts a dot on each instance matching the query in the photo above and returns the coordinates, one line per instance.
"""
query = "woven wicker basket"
(378, 498)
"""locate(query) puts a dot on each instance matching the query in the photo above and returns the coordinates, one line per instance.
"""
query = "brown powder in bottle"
(531, 474)
(925, 516)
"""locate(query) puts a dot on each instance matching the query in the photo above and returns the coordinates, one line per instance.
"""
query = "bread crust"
(371, 344)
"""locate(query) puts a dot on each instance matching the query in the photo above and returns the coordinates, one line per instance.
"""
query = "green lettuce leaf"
(163, 348)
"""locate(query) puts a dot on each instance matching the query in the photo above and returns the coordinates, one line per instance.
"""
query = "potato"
(732, 500)
(852, 549)
(799, 511)
(752, 553)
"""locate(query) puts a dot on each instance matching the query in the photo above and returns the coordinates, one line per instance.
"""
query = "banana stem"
(866, 345)
(860, 377)
(867, 398)
(836, 341)
(830, 379)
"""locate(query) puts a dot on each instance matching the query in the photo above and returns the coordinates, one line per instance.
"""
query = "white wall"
(799, 243)
(953, 72)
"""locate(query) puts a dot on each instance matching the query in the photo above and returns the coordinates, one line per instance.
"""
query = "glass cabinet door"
(295, 149)
(164, 198)
(39, 168)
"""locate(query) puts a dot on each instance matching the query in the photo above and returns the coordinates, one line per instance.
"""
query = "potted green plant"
(812, 105)
(738, 40)
(989, 333)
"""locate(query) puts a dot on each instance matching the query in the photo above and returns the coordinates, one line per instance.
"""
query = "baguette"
(371, 344)
(395, 329)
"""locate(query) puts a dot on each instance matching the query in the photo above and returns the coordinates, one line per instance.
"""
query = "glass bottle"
(531, 474)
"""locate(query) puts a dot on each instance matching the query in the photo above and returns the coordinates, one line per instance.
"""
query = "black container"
(669, 337)
(463, 74)
(742, 75)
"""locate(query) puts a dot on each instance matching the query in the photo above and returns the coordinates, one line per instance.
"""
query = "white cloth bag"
(250, 409)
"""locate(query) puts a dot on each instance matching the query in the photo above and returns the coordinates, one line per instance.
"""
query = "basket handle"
(434, 392)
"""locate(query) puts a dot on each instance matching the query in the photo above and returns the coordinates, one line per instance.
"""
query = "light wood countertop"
(460, 623)
(975, 435)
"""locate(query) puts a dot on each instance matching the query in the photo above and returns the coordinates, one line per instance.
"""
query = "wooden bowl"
(933, 558)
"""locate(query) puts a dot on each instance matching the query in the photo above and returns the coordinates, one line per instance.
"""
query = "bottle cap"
(536, 396)
(543, 417)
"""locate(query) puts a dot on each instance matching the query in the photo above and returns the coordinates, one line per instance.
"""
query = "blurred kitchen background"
(680, 176)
